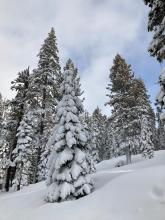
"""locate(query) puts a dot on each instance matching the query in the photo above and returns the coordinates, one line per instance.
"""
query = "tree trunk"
(7, 179)
(128, 155)
(35, 177)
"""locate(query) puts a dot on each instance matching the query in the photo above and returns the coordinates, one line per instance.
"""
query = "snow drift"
(131, 192)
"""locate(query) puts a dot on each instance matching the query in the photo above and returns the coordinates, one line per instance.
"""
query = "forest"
(46, 134)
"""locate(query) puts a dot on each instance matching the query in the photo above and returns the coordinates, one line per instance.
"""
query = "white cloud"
(90, 31)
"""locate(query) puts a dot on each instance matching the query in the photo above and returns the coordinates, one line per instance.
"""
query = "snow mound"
(132, 192)
(138, 162)
(158, 192)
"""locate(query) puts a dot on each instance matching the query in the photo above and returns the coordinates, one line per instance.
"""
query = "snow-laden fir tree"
(160, 99)
(108, 150)
(160, 131)
(43, 96)
(23, 151)
(16, 110)
(91, 149)
(146, 140)
(4, 141)
(1, 137)
(147, 118)
(156, 23)
(1, 111)
(69, 167)
(1, 123)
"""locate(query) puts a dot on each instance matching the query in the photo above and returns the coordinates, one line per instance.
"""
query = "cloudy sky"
(90, 32)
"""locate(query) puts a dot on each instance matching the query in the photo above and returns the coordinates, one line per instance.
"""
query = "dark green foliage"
(129, 99)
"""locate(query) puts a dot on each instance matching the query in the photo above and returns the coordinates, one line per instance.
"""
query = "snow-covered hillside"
(131, 192)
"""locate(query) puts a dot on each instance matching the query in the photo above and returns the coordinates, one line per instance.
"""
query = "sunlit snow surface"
(132, 192)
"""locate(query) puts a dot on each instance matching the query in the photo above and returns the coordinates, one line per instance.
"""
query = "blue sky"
(90, 32)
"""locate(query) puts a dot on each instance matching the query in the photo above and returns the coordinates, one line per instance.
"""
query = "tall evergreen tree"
(124, 120)
(69, 167)
(43, 96)
(132, 115)
(16, 111)
(99, 127)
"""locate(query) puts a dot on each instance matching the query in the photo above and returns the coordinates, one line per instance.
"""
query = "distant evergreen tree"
(156, 23)
(99, 123)
(43, 96)
(69, 167)
(92, 150)
(16, 111)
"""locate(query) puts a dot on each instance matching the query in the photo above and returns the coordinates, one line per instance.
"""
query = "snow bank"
(158, 159)
(132, 192)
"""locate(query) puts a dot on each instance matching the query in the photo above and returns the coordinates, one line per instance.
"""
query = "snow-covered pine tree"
(146, 118)
(5, 140)
(1, 111)
(43, 96)
(23, 151)
(16, 110)
(160, 131)
(160, 99)
(108, 150)
(147, 144)
(69, 167)
(1, 137)
(1, 121)
(156, 23)
(124, 118)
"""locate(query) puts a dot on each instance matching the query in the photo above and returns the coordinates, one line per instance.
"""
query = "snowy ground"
(132, 192)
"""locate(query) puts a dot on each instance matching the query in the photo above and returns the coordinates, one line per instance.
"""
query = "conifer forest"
(60, 158)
